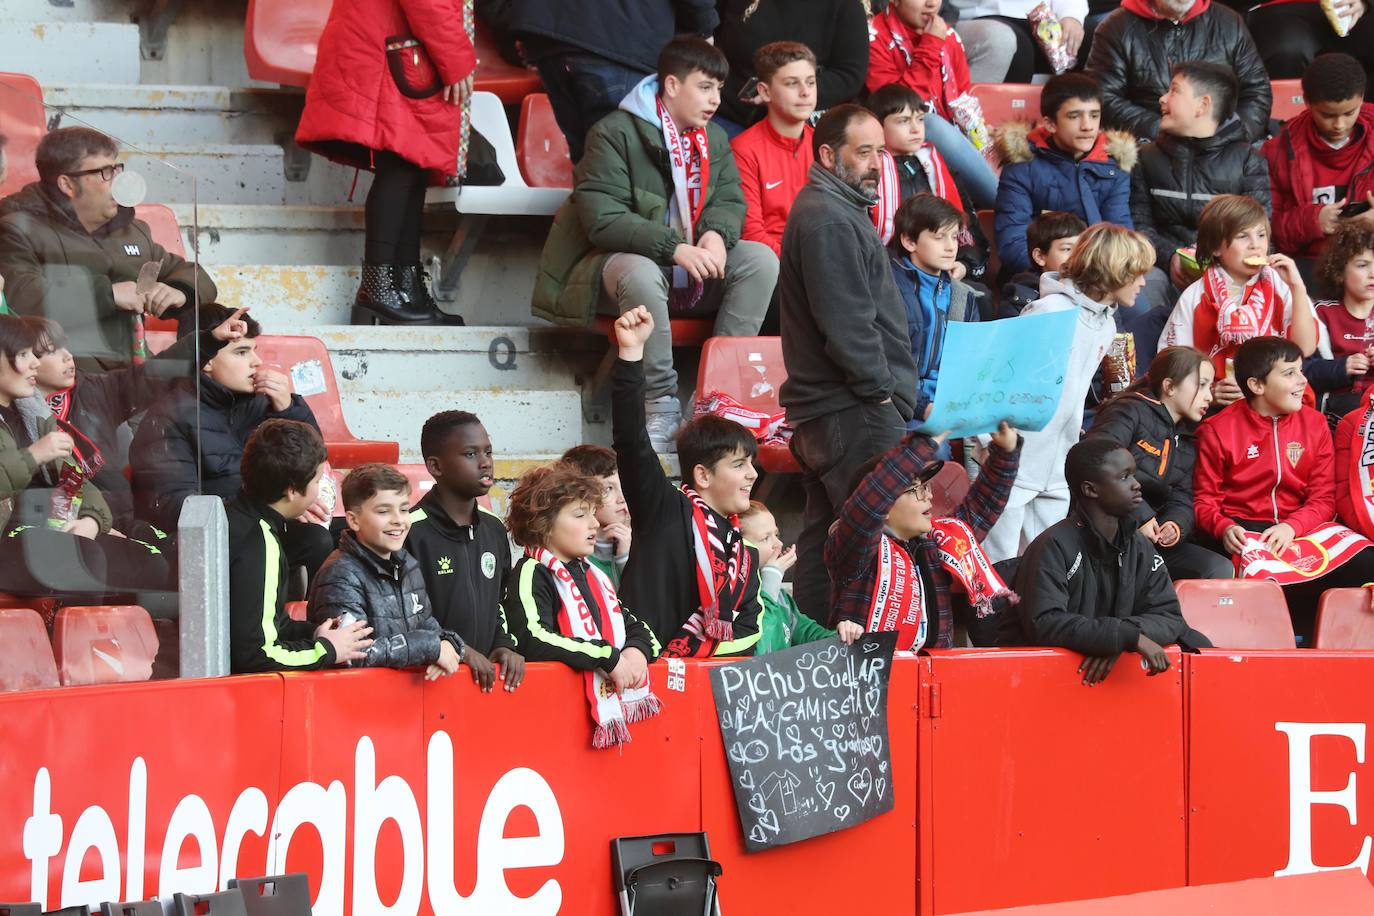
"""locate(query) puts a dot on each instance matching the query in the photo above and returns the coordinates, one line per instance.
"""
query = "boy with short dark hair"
(1066, 163)
(925, 243)
(1323, 159)
(691, 575)
(462, 548)
(1092, 584)
(1050, 238)
(370, 577)
(775, 154)
(280, 473)
(654, 219)
(613, 515)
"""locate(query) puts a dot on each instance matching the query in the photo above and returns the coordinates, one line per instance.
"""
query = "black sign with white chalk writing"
(805, 734)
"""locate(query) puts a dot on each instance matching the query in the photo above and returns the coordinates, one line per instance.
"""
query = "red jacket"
(1292, 178)
(354, 105)
(1262, 469)
(772, 169)
(937, 68)
(1347, 431)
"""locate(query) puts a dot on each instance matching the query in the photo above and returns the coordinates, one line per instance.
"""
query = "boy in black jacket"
(370, 577)
(1093, 584)
(1050, 238)
(690, 573)
(462, 548)
(282, 465)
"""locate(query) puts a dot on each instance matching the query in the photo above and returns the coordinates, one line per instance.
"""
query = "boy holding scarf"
(893, 565)
(690, 574)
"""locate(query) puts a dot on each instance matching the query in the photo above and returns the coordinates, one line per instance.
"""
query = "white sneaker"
(662, 417)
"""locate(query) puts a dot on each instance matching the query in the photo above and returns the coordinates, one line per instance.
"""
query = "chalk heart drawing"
(727, 720)
(746, 779)
(873, 698)
(863, 722)
(871, 647)
(880, 786)
(757, 834)
(769, 820)
(853, 730)
(829, 654)
(882, 766)
(793, 734)
(826, 790)
(806, 661)
(877, 742)
(861, 784)
(745, 701)
(769, 706)
(840, 811)
(757, 804)
(818, 732)
(838, 730)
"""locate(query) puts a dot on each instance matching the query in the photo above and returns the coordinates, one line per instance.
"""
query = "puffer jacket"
(362, 97)
(53, 267)
(620, 203)
(1165, 453)
(1177, 176)
(390, 594)
(164, 454)
(1134, 50)
(21, 501)
(629, 32)
(1292, 156)
(1038, 176)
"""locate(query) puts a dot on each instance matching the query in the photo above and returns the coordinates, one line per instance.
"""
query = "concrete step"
(152, 116)
(69, 51)
(278, 235)
(115, 11)
(240, 174)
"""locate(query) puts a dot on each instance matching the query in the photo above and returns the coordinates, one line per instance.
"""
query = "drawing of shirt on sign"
(307, 378)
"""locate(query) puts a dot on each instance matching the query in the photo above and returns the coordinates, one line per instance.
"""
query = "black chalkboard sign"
(805, 733)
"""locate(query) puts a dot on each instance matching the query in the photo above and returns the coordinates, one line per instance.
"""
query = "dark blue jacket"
(1037, 176)
(954, 302)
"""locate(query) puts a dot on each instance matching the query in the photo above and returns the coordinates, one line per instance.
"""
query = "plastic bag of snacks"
(66, 496)
(1118, 366)
(968, 117)
(1049, 33)
(1338, 22)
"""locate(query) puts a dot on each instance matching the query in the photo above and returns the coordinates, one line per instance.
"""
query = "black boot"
(416, 280)
(384, 297)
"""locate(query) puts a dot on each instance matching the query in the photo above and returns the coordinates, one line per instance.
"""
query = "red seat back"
(948, 488)
(1004, 102)
(541, 148)
(1237, 613)
(104, 644)
(749, 369)
(306, 360)
(23, 121)
(1345, 619)
(162, 223)
(26, 661)
(296, 610)
(1288, 100)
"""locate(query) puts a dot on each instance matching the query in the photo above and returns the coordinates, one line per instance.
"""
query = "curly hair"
(541, 494)
(1349, 240)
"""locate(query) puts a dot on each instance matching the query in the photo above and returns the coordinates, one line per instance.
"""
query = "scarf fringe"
(644, 708)
(611, 734)
(720, 630)
(983, 607)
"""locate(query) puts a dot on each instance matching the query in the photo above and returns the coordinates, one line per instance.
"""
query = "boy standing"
(774, 155)
(1323, 159)
(282, 465)
(462, 548)
(691, 575)
(655, 219)
(613, 515)
(1050, 238)
(1092, 584)
(370, 577)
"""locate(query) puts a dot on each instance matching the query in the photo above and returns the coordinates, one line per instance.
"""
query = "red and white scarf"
(602, 620)
(689, 153)
(1308, 557)
(939, 177)
(722, 576)
(899, 594)
(1254, 312)
(766, 427)
(1361, 482)
(85, 452)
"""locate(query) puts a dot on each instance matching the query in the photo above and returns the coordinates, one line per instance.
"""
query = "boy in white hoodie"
(1106, 270)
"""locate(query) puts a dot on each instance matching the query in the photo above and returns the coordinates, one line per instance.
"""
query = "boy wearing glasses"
(69, 252)
(894, 565)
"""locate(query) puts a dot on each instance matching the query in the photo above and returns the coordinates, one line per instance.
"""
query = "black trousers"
(393, 211)
(1289, 35)
(43, 561)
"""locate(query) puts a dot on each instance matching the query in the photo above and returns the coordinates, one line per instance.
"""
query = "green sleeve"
(805, 629)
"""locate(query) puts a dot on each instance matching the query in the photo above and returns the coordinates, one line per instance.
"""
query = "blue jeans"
(583, 89)
(964, 160)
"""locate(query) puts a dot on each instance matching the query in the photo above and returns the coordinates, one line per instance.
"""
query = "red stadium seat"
(160, 340)
(1237, 613)
(23, 121)
(104, 644)
(1345, 619)
(162, 223)
(46, 607)
(949, 487)
(1004, 102)
(540, 147)
(750, 370)
(296, 610)
(281, 41)
(1288, 100)
(306, 360)
(26, 661)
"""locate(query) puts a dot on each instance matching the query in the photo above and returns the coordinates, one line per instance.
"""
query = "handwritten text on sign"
(805, 733)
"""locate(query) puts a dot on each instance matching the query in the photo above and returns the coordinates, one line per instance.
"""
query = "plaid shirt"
(851, 550)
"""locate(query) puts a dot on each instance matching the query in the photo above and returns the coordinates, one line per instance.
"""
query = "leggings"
(393, 210)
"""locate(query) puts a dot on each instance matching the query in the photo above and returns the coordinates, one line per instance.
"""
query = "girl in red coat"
(389, 94)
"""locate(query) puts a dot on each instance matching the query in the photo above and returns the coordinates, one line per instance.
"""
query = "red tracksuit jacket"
(1261, 469)
(772, 169)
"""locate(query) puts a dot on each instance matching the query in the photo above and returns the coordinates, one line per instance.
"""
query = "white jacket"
(1017, 9)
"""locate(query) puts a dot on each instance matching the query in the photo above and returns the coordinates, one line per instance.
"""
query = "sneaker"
(662, 417)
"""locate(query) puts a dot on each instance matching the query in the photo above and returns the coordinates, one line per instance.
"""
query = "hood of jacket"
(642, 101)
(37, 200)
(1021, 142)
(1052, 284)
(1300, 130)
(1226, 134)
(1146, 10)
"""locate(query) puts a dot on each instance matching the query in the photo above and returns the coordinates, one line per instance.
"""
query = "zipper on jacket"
(1278, 466)
(1164, 458)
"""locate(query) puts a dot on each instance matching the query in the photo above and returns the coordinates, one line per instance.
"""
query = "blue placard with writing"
(1010, 370)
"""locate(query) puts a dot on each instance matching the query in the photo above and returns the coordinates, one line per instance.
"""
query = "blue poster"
(1010, 370)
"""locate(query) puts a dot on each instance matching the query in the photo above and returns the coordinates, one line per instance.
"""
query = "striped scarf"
(722, 571)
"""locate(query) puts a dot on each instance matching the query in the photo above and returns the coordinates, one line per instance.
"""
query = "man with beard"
(1135, 48)
(851, 379)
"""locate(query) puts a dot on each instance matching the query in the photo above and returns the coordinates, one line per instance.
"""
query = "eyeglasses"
(106, 172)
(919, 490)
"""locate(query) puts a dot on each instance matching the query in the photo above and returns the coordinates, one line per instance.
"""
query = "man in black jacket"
(1093, 584)
(591, 53)
(1134, 50)
(851, 379)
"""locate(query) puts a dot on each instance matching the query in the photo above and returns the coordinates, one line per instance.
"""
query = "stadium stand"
(1345, 620)
(1288, 101)
(104, 644)
(27, 661)
(541, 149)
(1237, 613)
(1004, 102)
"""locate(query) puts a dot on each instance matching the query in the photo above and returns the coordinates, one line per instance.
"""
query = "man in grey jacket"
(851, 380)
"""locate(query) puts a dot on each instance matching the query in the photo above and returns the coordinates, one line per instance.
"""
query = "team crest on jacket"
(1295, 451)
(1252, 451)
(446, 566)
(489, 564)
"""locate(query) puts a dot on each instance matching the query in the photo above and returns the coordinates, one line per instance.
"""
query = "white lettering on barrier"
(326, 810)
(1302, 797)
